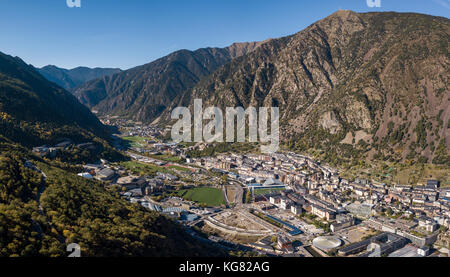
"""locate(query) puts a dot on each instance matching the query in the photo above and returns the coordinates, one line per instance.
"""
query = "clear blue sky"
(127, 33)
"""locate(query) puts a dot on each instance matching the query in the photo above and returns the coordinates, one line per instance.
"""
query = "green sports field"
(212, 197)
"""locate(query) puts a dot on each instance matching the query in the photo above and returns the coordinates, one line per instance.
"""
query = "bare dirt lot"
(236, 220)
(229, 237)
(355, 234)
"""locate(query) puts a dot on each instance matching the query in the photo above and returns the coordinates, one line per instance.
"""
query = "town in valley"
(281, 204)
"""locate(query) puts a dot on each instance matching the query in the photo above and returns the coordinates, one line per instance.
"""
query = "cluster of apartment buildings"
(319, 190)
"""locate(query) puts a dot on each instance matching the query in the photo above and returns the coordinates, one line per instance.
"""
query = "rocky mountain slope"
(373, 85)
(71, 78)
(142, 93)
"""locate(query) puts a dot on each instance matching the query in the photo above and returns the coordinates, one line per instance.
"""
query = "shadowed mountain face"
(71, 78)
(144, 92)
(353, 84)
(34, 110)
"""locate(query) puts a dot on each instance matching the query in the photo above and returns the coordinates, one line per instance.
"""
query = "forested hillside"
(76, 210)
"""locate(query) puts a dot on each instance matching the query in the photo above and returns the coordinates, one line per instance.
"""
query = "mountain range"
(371, 85)
(144, 92)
